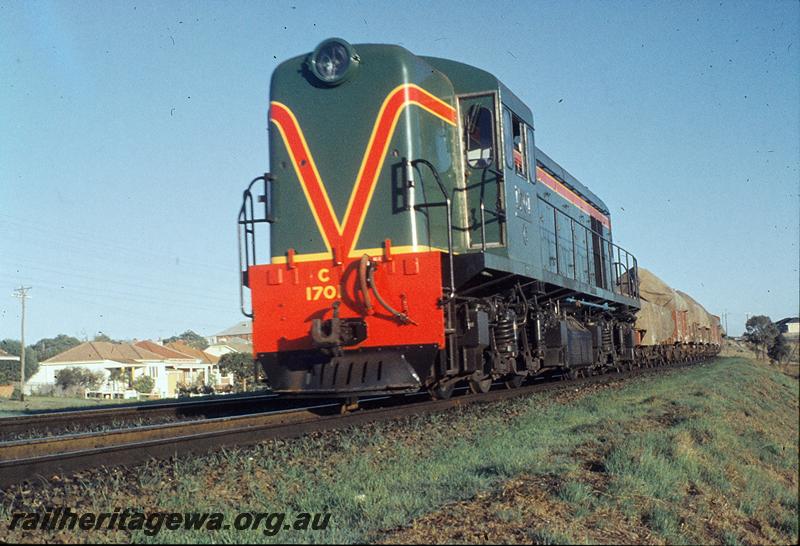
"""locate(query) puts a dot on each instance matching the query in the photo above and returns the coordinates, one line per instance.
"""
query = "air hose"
(363, 267)
(370, 282)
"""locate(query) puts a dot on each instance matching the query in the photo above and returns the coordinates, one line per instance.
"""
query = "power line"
(111, 295)
(85, 241)
(168, 286)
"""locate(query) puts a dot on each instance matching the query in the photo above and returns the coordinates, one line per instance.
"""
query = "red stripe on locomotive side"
(545, 178)
(375, 155)
(301, 157)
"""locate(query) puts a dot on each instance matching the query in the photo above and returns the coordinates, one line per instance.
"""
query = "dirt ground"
(514, 514)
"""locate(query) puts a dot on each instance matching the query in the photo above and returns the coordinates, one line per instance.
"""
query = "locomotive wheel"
(480, 385)
(442, 392)
(514, 381)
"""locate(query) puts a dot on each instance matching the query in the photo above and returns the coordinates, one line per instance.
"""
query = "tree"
(9, 371)
(51, 346)
(191, 339)
(761, 332)
(70, 378)
(144, 384)
(116, 375)
(779, 349)
(239, 364)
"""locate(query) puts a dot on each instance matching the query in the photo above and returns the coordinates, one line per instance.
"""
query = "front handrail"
(448, 205)
(246, 231)
(450, 299)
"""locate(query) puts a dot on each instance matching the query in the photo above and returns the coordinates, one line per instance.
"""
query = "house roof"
(165, 352)
(788, 320)
(96, 351)
(244, 327)
(237, 344)
(191, 351)
(5, 356)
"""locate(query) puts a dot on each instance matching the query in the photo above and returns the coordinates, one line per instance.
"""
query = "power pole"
(22, 294)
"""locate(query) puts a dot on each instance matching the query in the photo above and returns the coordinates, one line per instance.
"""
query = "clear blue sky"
(129, 129)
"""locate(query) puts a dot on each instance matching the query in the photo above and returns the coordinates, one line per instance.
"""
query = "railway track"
(24, 460)
(44, 424)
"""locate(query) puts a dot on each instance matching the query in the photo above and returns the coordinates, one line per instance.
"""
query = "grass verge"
(707, 454)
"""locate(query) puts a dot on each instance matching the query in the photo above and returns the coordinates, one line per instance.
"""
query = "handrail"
(246, 231)
(450, 300)
(499, 214)
(447, 205)
(483, 226)
(618, 267)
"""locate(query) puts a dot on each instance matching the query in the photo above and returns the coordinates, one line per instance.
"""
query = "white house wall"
(45, 376)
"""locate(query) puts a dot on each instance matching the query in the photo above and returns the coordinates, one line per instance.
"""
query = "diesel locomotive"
(418, 238)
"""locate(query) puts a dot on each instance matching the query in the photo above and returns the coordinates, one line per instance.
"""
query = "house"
(790, 326)
(242, 330)
(230, 345)
(217, 379)
(121, 364)
(5, 357)
(127, 361)
(182, 369)
(201, 356)
(8, 360)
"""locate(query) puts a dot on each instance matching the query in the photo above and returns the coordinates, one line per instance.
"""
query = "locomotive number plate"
(323, 291)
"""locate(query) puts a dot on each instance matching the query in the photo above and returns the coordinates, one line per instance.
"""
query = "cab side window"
(515, 143)
(479, 137)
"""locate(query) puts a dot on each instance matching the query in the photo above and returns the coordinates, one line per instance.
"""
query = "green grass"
(33, 404)
(715, 439)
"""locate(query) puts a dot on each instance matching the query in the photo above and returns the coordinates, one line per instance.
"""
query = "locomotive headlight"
(333, 61)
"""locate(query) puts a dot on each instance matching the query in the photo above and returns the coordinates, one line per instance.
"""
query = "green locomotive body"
(420, 238)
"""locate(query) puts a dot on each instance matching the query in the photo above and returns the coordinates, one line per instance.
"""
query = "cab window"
(479, 136)
(515, 143)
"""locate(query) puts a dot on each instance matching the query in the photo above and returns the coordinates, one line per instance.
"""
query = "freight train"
(418, 238)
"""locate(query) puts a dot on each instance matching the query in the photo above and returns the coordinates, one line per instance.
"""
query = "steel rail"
(22, 461)
(59, 420)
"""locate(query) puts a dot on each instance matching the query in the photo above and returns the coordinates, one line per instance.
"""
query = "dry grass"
(713, 459)
(701, 455)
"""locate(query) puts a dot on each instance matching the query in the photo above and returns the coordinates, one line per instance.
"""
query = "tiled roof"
(5, 356)
(166, 352)
(96, 351)
(195, 353)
